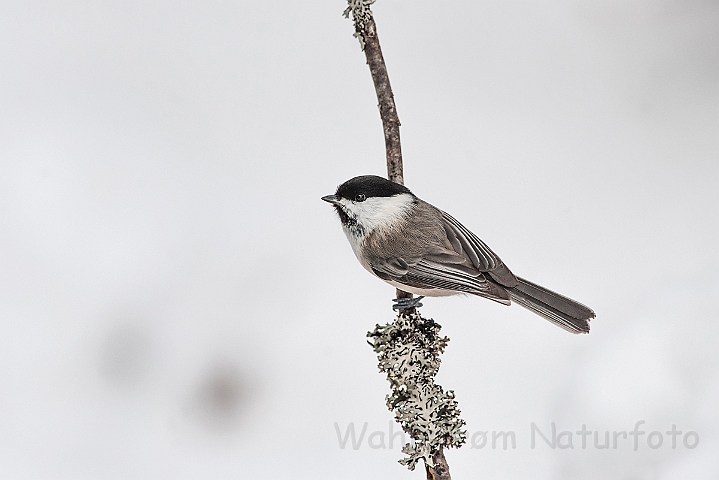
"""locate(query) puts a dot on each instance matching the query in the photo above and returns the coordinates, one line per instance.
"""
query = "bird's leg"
(405, 303)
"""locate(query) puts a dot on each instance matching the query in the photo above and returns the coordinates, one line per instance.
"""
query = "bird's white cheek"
(384, 212)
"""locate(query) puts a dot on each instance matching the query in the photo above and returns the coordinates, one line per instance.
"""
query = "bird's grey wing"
(441, 270)
(467, 244)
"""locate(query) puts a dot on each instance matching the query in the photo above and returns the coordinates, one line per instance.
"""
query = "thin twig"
(387, 108)
(441, 469)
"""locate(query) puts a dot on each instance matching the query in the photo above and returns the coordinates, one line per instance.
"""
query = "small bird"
(420, 249)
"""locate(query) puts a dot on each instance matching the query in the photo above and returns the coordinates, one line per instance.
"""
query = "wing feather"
(477, 251)
(428, 274)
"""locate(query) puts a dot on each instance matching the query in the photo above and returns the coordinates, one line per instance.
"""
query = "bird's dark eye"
(360, 197)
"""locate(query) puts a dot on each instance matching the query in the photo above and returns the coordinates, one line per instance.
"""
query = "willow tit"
(420, 249)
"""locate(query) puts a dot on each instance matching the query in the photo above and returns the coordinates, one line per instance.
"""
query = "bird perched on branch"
(420, 249)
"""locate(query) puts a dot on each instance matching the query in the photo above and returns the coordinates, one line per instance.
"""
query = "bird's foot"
(405, 303)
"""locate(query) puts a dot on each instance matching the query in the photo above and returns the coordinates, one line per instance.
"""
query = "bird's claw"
(406, 303)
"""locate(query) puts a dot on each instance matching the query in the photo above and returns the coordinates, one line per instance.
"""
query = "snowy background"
(177, 302)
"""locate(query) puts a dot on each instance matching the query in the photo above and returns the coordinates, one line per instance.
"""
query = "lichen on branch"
(408, 350)
(361, 15)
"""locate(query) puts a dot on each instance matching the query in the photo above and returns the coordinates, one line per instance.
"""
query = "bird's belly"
(432, 292)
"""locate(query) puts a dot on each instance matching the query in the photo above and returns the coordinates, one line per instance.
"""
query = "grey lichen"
(408, 350)
(361, 13)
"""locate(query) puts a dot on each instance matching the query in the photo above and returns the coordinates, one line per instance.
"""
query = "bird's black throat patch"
(349, 221)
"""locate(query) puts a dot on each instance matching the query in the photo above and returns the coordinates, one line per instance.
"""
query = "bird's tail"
(558, 309)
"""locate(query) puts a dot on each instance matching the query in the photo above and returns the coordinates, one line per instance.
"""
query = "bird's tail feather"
(558, 309)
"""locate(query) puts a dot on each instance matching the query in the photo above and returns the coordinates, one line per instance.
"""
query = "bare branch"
(387, 107)
(366, 32)
(428, 414)
(441, 469)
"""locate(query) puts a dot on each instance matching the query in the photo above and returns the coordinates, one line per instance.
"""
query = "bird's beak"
(333, 199)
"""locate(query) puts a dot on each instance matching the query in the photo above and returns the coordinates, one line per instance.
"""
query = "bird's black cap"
(370, 186)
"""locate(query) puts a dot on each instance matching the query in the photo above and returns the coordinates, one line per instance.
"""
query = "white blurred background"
(177, 302)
